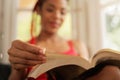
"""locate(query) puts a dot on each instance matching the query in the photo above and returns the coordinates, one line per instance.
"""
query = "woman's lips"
(54, 24)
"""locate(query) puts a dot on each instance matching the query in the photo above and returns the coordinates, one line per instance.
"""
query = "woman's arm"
(18, 75)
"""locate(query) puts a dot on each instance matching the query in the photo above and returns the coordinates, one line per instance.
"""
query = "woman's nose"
(57, 15)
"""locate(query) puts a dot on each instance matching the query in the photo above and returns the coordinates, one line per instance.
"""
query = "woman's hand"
(23, 55)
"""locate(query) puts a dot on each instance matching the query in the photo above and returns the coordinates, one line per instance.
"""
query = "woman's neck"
(48, 37)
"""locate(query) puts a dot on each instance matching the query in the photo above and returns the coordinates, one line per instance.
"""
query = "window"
(110, 11)
(24, 21)
(104, 2)
(24, 18)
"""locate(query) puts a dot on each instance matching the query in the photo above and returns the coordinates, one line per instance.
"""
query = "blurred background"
(96, 22)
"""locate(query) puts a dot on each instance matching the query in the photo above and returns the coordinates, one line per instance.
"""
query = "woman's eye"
(50, 10)
(63, 12)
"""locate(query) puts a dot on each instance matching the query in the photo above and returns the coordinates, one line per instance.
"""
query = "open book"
(73, 64)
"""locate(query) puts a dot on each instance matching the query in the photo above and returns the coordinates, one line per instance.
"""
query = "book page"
(57, 60)
(105, 54)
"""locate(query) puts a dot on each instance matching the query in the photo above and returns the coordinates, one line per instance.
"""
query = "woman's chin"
(53, 31)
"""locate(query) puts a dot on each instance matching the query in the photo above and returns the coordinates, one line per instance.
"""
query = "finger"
(26, 55)
(15, 60)
(27, 47)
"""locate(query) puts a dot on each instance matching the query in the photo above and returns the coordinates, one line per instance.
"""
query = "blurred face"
(52, 15)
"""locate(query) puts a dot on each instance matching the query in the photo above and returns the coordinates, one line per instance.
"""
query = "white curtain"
(1, 31)
(8, 25)
(96, 30)
(86, 23)
(78, 11)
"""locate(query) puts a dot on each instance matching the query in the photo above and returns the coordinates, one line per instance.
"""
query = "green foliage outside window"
(113, 29)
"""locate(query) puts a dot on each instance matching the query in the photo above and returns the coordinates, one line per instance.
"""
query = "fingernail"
(44, 50)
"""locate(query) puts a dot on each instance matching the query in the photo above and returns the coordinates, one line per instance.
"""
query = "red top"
(71, 51)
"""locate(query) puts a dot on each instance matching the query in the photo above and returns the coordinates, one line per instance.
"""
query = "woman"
(24, 55)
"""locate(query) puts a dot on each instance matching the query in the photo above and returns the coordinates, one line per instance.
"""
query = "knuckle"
(18, 44)
(15, 42)
(10, 60)
(9, 51)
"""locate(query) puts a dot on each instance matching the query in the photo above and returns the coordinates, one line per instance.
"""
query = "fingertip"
(44, 50)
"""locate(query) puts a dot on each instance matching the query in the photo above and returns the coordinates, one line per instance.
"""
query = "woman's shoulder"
(81, 48)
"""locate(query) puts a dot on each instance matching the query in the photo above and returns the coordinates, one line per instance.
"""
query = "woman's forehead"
(57, 3)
